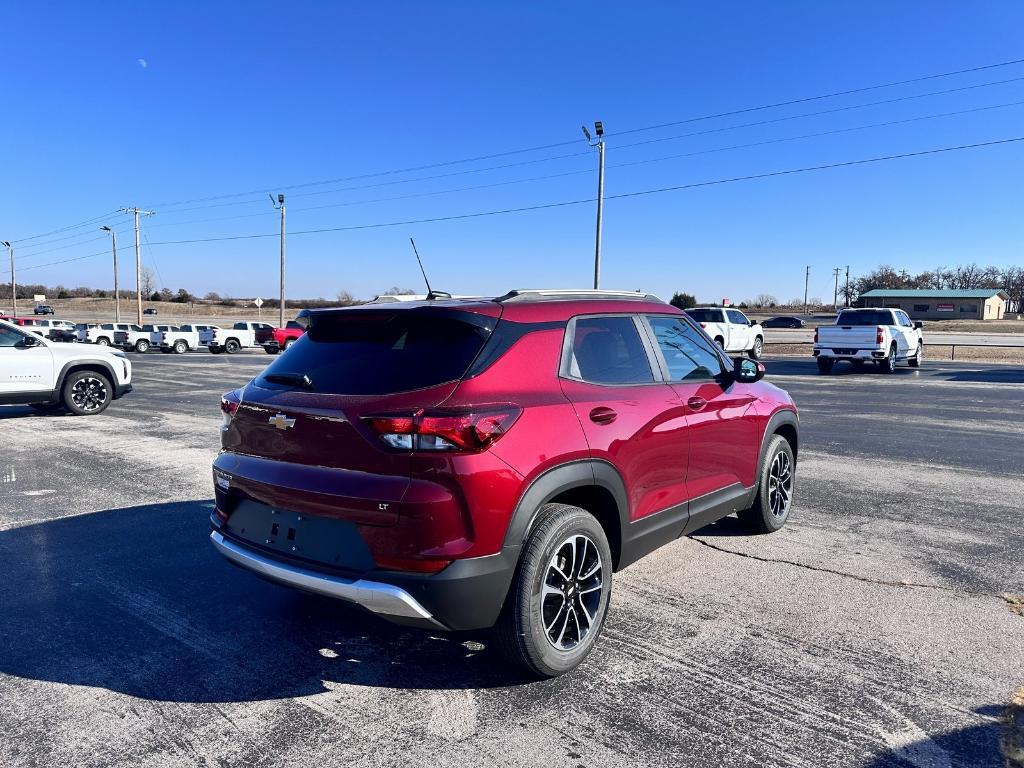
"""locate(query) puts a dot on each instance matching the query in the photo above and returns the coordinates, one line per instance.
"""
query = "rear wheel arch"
(595, 486)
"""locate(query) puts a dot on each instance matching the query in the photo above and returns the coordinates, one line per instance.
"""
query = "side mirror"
(747, 371)
(28, 341)
(918, 324)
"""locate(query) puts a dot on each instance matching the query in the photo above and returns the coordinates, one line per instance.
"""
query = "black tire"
(758, 349)
(825, 364)
(271, 350)
(103, 341)
(231, 346)
(915, 361)
(86, 393)
(888, 365)
(775, 484)
(180, 347)
(288, 343)
(535, 631)
(216, 350)
(142, 345)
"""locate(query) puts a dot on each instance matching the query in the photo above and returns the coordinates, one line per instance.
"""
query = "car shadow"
(727, 527)
(22, 411)
(977, 747)
(135, 600)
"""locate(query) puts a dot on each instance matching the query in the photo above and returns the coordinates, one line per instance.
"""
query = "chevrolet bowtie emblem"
(281, 421)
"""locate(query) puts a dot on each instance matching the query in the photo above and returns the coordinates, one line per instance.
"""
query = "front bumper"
(121, 390)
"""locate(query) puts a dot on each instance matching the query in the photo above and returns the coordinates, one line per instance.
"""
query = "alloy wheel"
(89, 393)
(780, 484)
(571, 595)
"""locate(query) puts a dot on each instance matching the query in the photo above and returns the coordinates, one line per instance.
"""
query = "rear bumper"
(467, 595)
(850, 354)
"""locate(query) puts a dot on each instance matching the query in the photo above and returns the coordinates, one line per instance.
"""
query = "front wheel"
(87, 393)
(915, 361)
(558, 601)
(776, 480)
(757, 350)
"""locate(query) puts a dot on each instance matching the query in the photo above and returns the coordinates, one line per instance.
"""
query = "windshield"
(379, 353)
(879, 317)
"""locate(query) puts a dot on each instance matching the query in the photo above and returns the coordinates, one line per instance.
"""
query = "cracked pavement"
(876, 629)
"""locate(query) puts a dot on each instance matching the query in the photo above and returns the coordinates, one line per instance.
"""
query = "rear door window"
(608, 350)
(377, 353)
(705, 315)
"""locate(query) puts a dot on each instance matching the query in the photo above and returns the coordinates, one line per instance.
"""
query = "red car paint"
(671, 443)
(275, 339)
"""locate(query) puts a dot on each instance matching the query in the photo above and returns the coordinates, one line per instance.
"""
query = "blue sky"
(256, 96)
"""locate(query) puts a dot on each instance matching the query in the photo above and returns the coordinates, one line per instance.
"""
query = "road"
(869, 632)
(806, 335)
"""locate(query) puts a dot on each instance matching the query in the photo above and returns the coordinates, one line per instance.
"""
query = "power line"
(564, 203)
(730, 113)
(506, 153)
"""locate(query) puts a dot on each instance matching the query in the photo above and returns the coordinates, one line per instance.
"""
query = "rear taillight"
(445, 430)
(703, 325)
(880, 335)
(229, 407)
(815, 335)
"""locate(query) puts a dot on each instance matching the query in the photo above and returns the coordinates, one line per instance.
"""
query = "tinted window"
(865, 318)
(705, 315)
(292, 324)
(687, 354)
(240, 326)
(9, 337)
(737, 317)
(608, 350)
(381, 353)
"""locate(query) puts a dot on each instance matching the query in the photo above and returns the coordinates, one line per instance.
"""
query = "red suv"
(462, 464)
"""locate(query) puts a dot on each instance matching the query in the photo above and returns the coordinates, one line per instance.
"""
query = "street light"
(117, 290)
(599, 132)
(14, 283)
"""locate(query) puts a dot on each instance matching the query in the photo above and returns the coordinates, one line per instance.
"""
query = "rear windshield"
(705, 315)
(881, 317)
(381, 353)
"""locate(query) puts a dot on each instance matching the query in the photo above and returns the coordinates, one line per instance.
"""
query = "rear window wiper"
(297, 379)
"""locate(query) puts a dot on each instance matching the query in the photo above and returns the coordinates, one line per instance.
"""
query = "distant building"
(945, 304)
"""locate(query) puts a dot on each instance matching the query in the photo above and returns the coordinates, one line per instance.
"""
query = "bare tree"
(148, 281)
(346, 299)
(765, 300)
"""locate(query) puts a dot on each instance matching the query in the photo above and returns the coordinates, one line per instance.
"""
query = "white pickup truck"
(139, 338)
(102, 334)
(230, 340)
(883, 336)
(51, 376)
(730, 329)
(183, 338)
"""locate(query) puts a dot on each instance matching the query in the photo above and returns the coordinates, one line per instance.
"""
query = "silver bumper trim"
(384, 599)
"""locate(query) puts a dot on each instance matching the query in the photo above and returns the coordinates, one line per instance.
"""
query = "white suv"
(50, 376)
(730, 329)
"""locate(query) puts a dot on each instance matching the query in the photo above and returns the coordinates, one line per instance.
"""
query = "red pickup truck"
(273, 340)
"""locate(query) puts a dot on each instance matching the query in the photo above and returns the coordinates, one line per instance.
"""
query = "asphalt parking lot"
(871, 631)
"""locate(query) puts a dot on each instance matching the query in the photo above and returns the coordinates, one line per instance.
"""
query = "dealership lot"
(872, 630)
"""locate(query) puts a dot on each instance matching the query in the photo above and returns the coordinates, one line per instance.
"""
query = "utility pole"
(835, 295)
(807, 280)
(117, 290)
(846, 302)
(14, 282)
(599, 132)
(138, 261)
(280, 206)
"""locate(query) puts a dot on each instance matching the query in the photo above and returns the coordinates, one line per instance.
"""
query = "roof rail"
(561, 294)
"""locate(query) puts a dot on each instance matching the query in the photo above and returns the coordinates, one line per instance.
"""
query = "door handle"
(603, 415)
(696, 403)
